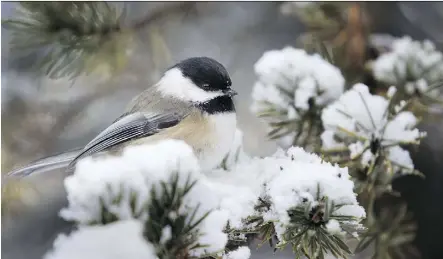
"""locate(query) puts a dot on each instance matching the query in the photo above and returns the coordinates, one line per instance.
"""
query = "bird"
(192, 102)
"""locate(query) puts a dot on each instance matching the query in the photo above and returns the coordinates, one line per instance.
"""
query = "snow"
(117, 178)
(333, 227)
(290, 176)
(107, 179)
(399, 156)
(213, 235)
(236, 153)
(298, 181)
(414, 64)
(287, 178)
(301, 74)
(391, 91)
(269, 94)
(234, 198)
(241, 253)
(166, 234)
(287, 81)
(122, 239)
(364, 116)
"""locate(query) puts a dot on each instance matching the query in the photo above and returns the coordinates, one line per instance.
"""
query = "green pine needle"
(71, 38)
(166, 210)
(307, 232)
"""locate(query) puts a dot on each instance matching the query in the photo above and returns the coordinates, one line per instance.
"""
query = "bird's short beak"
(229, 92)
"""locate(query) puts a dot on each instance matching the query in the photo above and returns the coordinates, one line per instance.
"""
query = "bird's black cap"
(206, 73)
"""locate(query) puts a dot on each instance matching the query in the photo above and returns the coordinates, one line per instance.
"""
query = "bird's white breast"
(223, 127)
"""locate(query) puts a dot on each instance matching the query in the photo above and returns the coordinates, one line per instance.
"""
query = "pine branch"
(75, 38)
(307, 232)
(165, 210)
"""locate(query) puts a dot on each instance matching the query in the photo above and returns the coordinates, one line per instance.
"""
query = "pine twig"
(75, 38)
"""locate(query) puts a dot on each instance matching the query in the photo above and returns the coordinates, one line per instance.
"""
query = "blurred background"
(42, 116)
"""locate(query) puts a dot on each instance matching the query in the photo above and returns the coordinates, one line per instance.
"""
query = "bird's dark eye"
(206, 87)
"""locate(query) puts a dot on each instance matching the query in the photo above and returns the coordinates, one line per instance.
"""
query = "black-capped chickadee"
(191, 102)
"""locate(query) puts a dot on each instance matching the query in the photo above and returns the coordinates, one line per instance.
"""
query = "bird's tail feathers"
(57, 161)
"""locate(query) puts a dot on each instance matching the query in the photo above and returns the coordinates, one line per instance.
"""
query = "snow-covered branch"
(155, 185)
(414, 67)
(410, 64)
(305, 202)
(366, 130)
(291, 90)
(168, 208)
(361, 129)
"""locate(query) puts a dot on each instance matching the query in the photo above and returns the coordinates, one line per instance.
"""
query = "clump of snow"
(236, 153)
(105, 180)
(410, 64)
(241, 253)
(288, 178)
(301, 75)
(292, 82)
(122, 239)
(212, 233)
(391, 91)
(333, 227)
(111, 182)
(359, 118)
(235, 198)
(303, 179)
(166, 234)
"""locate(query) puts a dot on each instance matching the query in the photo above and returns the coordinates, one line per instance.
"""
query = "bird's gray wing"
(163, 113)
(129, 127)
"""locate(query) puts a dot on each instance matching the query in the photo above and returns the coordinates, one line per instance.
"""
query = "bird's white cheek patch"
(174, 84)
